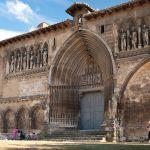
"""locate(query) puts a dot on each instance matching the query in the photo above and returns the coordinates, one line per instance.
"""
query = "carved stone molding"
(125, 54)
(28, 72)
(23, 98)
(133, 35)
(27, 58)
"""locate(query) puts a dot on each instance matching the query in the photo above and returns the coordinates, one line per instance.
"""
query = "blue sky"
(20, 16)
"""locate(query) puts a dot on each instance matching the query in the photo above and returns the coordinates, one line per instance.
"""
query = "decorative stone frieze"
(42, 70)
(28, 58)
(134, 38)
(40, 97)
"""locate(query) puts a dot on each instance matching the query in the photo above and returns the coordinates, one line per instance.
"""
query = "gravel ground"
(44, 145)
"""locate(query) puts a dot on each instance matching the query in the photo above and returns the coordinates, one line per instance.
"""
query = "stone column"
(139, 37)
(128, 40)
(121, 128)
(46, 117)
(29, 123)
(116, 33)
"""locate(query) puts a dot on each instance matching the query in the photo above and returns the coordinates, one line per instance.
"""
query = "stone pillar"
(139, 37)
(46, 118)
(29, 123)
(114, 114)
(121, 128)
(116, 39)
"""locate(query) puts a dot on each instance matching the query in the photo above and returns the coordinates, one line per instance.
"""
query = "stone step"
(91, 138)
(78, 136)
(80, 132)
(87, 136)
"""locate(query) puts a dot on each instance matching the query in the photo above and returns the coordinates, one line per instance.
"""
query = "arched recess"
(74, 53)
(128, 78)
(1, 121)
(22, 118)
(9, 120)
(135, 100)
(37, 117)
(82, 49)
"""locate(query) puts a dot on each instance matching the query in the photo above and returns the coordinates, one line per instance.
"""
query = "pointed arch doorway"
(81, 82)
(92, 97)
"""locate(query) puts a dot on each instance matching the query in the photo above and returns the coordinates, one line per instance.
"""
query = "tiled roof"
(50, 28)
(117, 8)
(78, 6)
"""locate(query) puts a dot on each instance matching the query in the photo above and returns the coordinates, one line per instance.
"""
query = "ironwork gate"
(64, 106)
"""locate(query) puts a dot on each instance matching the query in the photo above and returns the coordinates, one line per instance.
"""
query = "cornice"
(23, 98)
(131, 53)
(23, 74)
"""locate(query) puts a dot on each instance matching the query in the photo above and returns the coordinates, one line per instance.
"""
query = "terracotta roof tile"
(64, 24)
(78, 6)
(117, 8)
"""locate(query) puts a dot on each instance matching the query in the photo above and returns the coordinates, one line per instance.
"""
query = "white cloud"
(5, 34)
(22, 11)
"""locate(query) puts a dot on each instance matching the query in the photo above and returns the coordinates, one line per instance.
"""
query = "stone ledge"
(131, 53)
(23, 98)
(28, 72)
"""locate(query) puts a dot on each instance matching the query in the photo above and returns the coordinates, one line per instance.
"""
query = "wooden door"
(92, 111)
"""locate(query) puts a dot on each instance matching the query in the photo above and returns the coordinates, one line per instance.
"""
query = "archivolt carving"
(28, 58)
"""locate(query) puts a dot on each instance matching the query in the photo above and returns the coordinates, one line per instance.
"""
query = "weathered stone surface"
(45, 74)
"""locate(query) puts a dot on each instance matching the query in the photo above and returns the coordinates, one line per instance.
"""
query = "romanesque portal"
(88, 73)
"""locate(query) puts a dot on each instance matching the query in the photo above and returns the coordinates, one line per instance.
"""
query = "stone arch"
(135, 100)
(129, 76)
(22, 117)
(9, 120)
(37, 117)
(72, 57)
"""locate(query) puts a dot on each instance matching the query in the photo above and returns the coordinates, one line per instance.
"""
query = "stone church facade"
(89, 73)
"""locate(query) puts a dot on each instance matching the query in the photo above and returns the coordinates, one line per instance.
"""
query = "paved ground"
(44, 145)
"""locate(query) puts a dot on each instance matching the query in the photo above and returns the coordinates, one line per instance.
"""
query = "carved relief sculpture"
(18, 61)
(12, 63)
(46, 113)
(36, 56)
(134, 40)
(91, 74)
(24, 60)
(45, 54)
(145, 36)
(137, 37)
(31, 59)
(123, 41)
(40, 59)
(128, 40)
(35, 49)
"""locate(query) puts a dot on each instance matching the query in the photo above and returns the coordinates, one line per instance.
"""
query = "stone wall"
(19, 87)
(116, 22)
(137, 102)
(28, 89)
(25, 91)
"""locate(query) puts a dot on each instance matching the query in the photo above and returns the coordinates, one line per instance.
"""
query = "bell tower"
(77, 11)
